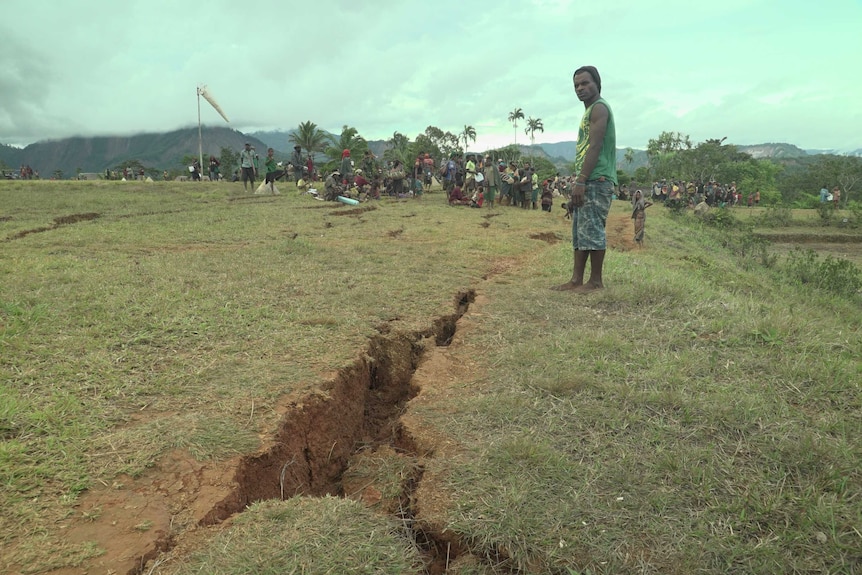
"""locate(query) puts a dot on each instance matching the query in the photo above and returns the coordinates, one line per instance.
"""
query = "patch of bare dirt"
(353, 212)
(58, 222)
(500, 266)
(366, 411)
(74, 219)
(139, 520)
(549, 237)
(620, 232)
(259, 198)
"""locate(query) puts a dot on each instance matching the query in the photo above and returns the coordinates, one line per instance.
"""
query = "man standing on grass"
(296, 160)
(596, 176)
(246, 163)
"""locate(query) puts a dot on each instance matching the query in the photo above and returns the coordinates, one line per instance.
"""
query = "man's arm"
(598, 128)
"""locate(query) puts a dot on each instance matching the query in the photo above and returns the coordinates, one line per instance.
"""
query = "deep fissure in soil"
(357, 412)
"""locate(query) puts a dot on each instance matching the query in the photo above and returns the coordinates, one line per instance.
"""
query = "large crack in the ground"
(57, 223)
(353, 418)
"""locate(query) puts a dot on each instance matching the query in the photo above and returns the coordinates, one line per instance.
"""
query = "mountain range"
(166, 151)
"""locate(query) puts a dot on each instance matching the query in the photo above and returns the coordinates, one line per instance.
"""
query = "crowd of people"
(25, 172)
(473, 180)
(714, 194)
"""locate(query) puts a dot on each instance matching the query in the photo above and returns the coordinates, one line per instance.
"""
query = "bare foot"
(588, 287)
(568, 286)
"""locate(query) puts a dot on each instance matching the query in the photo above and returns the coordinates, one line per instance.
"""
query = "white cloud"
(101, 67)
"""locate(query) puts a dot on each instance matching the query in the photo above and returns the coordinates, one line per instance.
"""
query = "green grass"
(696, 416)
(328, 535)
(180, 315)
(700, 415)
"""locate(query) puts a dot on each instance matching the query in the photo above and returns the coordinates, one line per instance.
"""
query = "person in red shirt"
(456, 198)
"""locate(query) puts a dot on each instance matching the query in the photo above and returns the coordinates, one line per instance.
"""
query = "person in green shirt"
(596, 176)
(272, 171)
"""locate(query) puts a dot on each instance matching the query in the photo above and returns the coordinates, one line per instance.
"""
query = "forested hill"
(95, 154)
(166, 151)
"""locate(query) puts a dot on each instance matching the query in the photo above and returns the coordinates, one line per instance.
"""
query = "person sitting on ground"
(362, 185)
(332, 187)
(478, 199)
(374, 188)
(456, 197)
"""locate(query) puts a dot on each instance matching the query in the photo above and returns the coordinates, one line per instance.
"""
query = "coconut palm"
(349, 140)
(469, 133)
(514, 116)
(399, 147)
(533, 125)
(310, 137)
(629, 156)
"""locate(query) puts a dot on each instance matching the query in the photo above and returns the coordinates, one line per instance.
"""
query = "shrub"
(775, 217)
(806, 202)
(826, 211)
(721, 218)
(750, 249)
(835, 275)
(676, 207)
(852, 215)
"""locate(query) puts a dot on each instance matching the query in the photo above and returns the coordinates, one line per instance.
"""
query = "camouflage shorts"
(588, 221)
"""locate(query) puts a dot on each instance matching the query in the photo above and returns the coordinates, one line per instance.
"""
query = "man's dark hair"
(591, 70)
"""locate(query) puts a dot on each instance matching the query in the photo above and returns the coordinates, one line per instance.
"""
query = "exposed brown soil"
(58, 222)
(357, 412)
(364, 411)
(353, 212)
(620, 232)
(549, 237)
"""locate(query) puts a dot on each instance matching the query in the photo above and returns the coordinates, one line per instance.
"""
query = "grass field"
(194, 380)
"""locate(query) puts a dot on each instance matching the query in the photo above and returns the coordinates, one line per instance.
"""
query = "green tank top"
(607, 163)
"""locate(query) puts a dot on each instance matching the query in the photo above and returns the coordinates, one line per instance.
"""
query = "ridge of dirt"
(139, 520)
(58, 222)
(353, 212)
(364, 410)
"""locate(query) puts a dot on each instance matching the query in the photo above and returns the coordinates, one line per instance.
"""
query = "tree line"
(673, 156)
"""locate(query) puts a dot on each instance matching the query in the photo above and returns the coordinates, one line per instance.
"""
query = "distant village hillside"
(164, 151)
(171, 150)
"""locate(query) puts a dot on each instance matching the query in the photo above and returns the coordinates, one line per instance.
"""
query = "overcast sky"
(754, 71)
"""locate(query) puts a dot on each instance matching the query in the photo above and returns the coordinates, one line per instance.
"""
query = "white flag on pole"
(202, 90)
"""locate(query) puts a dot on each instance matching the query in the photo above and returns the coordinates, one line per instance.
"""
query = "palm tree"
(469, 133)
(399, 147)
(629, 156)
(310, 137)
(534, 124)
(514, 116)
(349, 140)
